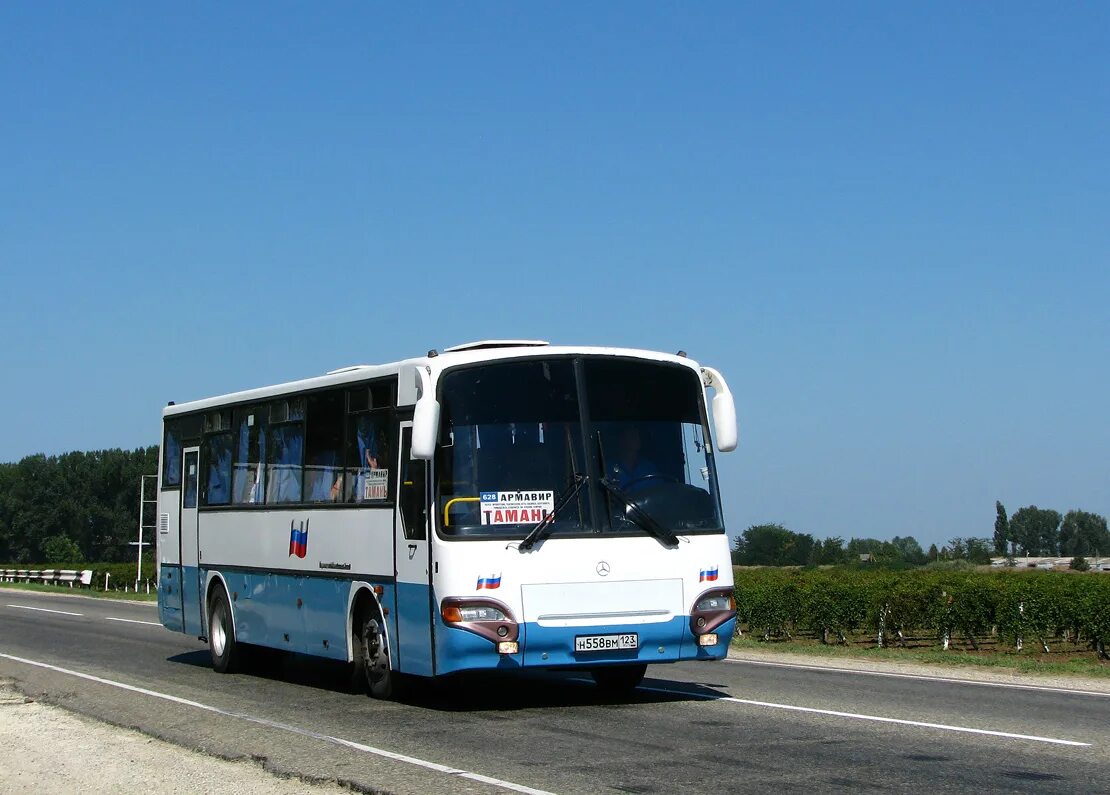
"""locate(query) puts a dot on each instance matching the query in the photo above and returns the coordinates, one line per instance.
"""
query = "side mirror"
(724, 423)
(425, 428)
(425, 420)
(725, 430)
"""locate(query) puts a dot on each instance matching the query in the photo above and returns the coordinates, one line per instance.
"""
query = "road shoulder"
(48, 749)
(1078, 684)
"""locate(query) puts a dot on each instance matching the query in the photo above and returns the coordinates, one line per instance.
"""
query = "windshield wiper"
(644, 520)
(545, 524)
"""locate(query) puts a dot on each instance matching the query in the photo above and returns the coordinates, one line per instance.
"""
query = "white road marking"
(411, 760)
(857, 716)
(46, 610)
(924, 677)
(133, 621)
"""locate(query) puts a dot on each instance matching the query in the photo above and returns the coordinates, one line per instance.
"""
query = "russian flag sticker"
(490, 582)
(707, 575)
(298, 539)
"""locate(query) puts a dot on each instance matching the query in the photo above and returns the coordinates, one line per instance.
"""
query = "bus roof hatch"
(483, 344)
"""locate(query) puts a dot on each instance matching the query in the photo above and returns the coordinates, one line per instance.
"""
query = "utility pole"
(143, 502)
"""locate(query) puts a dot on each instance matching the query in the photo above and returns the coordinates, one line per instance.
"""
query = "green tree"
(908, 549)
(1079, 563)
(60, 549)
(1084, 534)
(1001, 528)
(831, 552)
(1036, 530)
(933, 554)
(979, 551)
(773, 545)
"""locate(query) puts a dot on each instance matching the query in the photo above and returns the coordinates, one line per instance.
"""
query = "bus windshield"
(516, 437)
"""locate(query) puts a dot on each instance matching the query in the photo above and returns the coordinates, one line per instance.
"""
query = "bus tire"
(227, 652)
(371, 654)
(619, 678)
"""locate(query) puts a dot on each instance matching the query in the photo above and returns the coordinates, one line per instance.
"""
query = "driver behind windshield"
(631, 470)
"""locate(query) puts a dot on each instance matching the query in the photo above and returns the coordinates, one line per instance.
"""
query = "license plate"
(606, 642)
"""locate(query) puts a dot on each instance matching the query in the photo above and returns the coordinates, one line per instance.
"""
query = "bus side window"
(412, 501)
(248, 484)
(368, 458)
(323, 471)
(189, 499)
(285, 451)
(217, 484)
(370, 443)
(171, 456)
(283, 470)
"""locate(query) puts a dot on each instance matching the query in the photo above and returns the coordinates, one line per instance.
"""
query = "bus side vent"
(163, 523)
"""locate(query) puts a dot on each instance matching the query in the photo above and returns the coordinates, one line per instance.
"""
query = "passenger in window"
(631, 470)
(371, 481)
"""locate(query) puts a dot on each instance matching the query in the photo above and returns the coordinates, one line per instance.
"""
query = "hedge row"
(120, 574)
(1016, 607)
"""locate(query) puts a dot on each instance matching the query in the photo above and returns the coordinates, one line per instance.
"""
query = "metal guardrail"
(49, 576)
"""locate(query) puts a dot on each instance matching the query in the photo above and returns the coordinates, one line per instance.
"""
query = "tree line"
(73, 507)
(1031, 531)
(775, 545)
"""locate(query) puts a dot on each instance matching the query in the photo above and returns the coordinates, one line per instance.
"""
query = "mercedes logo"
(602, 568)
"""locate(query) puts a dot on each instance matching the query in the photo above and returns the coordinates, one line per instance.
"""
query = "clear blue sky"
(889, 225)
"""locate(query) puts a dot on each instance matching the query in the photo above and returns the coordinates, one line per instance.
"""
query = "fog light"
(502, 630)
(701, 622)
(510, 647)
(709, 639)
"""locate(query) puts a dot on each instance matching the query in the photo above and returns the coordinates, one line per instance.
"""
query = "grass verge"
(77, 591)
(1026, 662)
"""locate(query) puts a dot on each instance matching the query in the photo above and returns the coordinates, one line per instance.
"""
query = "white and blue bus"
(501, 505)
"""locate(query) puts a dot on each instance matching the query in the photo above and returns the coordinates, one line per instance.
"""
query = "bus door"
(190, 570)
(411, 554)
(169, 547)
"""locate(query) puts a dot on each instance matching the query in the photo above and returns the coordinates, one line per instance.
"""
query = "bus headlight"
(469, 613)
(485, 617)
(720, 601)
(712, 609)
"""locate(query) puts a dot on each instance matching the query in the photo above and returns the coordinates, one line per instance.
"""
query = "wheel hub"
(219, 636)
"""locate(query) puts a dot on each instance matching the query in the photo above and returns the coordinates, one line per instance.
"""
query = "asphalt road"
(690, 728)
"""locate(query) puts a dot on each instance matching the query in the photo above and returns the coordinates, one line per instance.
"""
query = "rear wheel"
(226, 651)
(619, 678)
(371, 654)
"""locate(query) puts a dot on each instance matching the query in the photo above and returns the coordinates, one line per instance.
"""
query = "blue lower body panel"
(307, 615)
(190, 600)
(414, 635)
(169, 598)
(300, 614)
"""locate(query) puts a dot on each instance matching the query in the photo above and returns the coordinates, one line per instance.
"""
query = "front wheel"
(226, 651)
(371, 654)
(619, 678)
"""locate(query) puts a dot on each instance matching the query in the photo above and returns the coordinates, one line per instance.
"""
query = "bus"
(500, 505)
